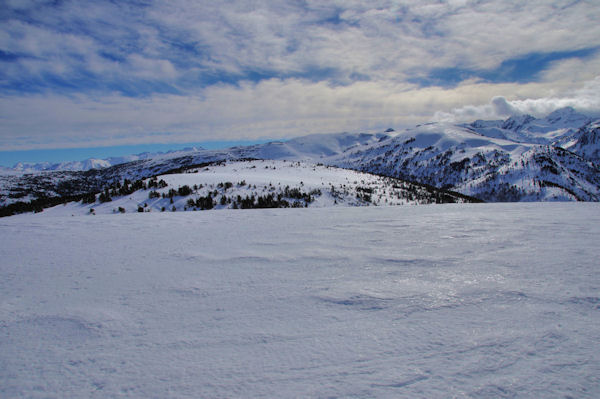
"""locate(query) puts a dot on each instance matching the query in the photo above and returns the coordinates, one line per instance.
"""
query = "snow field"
(487, 300)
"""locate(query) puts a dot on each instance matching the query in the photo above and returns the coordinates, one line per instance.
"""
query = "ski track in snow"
(486, 300)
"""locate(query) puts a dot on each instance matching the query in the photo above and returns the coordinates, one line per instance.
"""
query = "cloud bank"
(81, 73)
(585, 100)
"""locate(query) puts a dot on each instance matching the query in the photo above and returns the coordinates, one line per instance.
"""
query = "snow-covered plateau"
(439, 301)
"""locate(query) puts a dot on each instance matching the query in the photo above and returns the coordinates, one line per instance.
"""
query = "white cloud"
(384, 40)
(148, 68)
(269, 109)
(585, 99)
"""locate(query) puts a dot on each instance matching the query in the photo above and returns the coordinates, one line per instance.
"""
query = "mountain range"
(522, 158)
(87, 164)
(518, 159)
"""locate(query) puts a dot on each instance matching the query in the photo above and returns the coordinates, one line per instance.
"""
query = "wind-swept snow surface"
(487, 300)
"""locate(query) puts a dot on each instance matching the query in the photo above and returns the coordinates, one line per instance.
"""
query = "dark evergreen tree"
(104, 196)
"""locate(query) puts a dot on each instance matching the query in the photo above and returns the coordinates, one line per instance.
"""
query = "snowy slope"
(316, 147)
(585, 142)
(520, 159)
(245, 184)
(527, 129)
(474, 301)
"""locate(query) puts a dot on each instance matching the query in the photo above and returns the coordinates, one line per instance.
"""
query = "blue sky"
(83, 74)
(522, 69)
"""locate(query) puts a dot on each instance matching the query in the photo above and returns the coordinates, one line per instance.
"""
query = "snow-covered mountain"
(90, 163)
(87, 164)
(585, 142)
(521, 158)
(527, 129)
(255, 184)
(314, 147)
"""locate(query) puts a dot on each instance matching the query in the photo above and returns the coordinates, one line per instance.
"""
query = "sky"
(78, 74)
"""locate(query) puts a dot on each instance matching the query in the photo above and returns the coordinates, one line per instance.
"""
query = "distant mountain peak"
(566, 115)
(562, 111)
(517, 122)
